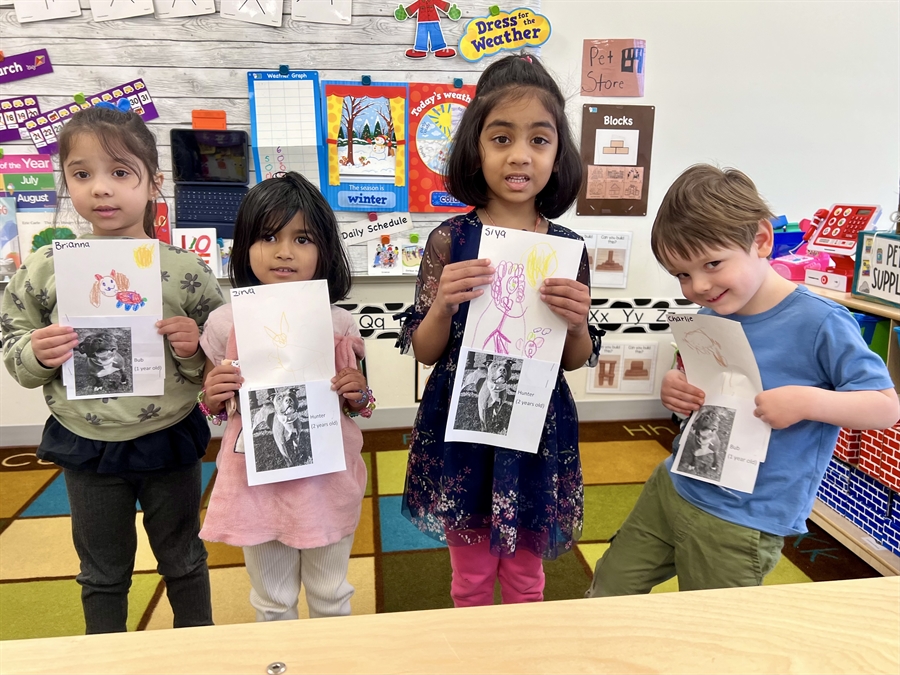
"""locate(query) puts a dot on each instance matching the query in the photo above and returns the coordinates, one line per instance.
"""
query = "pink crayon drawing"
(507, 293)
(115, 285)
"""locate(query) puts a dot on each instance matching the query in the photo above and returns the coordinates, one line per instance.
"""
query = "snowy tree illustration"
(353, 106)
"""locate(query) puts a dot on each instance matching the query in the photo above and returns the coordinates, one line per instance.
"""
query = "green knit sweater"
(189, 289)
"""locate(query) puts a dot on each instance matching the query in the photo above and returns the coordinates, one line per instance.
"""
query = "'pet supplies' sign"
(503, 30)
(877, 273)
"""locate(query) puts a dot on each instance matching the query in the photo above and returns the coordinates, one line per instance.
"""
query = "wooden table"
(830, 627)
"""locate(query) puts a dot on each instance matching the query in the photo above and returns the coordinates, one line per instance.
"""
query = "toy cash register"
(836, 235)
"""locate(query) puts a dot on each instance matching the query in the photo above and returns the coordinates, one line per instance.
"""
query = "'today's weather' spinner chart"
(285, 119)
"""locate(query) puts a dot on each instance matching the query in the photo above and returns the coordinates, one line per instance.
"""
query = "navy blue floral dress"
(462, 493)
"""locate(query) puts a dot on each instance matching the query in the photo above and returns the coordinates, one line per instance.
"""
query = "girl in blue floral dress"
(501, 511)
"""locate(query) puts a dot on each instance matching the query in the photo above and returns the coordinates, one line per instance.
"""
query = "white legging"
(276, 572)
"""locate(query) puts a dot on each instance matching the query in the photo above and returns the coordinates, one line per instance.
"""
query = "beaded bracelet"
(368, 399)
(215, 419)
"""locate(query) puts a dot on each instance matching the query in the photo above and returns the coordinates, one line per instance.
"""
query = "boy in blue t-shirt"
(713, 233)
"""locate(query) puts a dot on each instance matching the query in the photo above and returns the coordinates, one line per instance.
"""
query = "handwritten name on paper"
(59, 245)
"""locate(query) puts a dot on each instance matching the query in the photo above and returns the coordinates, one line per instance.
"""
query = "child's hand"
(783, 406)
(679, 396)
(459, 283)
(183, 334)
(221, 382)
(570, 300)
(349, 383)
(53, 345)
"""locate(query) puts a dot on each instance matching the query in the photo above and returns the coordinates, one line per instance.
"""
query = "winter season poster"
(366, 141)
(435, 111)
(114, 308)
(290, 415)
(513, 342)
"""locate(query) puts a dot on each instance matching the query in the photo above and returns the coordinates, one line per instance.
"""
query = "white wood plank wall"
(201, 62)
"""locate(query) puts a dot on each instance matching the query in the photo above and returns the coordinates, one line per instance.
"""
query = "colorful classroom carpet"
(394, 567)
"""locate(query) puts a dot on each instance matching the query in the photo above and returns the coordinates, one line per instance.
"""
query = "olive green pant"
(665, 535)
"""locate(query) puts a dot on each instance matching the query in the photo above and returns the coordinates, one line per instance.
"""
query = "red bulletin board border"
(422, 180)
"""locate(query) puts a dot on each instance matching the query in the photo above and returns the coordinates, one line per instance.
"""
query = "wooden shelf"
(851, 536)
(853, 302)
(858, 541)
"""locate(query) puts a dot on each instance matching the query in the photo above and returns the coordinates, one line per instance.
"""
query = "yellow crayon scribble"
(541, 261)
(143, 256)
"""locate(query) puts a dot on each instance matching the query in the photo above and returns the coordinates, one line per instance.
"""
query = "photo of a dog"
(281, 436)
(488, 391)
(707, 443)
(103, 362)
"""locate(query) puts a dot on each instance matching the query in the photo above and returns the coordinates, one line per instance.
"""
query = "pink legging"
(475, 569)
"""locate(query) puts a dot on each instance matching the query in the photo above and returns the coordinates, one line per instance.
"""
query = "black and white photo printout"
(110, 292)
(513, 342)
(290, 415)
(723, 442)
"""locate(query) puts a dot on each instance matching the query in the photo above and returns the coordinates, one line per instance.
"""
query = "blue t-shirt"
(809, 341)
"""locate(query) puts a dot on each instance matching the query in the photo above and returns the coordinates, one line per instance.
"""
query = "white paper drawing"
(510, 317)
(322, 11)
(110, 277)
(108, 10)
(513, 342)
(718, 359)
(291, 420)
(171, 9)
(284, 332)
(264, 12)
(45, 10)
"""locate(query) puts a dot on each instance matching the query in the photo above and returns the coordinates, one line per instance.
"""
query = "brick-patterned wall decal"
(617, 315)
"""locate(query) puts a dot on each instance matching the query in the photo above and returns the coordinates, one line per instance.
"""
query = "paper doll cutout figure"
(428, 27)
(701, 343)
(116, 286)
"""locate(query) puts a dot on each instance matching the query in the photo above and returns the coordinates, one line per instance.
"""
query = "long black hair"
(508, 80)
(269, 206)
